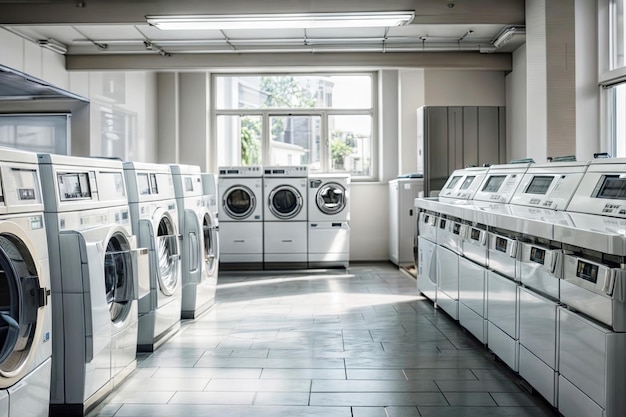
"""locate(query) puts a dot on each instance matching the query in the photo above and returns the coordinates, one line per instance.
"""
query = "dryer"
(212, 241)
(97, 273)
(285, 198)
(240, 205)
(329, 220)
(25, 308)
(195, 222)
(154, 216)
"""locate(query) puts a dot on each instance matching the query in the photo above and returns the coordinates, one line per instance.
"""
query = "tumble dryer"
(25, 309)
(96, 273)
(285, 217)
(154, 216)
(212, 244)
(329, 220)
(241, 217)
(195, 223)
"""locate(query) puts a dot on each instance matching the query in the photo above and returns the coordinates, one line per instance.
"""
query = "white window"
(324, 121)
(46, 133)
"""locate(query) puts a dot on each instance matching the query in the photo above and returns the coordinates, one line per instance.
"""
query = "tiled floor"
(361, 343)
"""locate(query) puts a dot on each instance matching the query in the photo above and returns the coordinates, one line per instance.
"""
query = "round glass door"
(167, 256)
(331, 198)
(210, 244)
(239, 202)
(19, 304)
(285, 202)
(118, 277)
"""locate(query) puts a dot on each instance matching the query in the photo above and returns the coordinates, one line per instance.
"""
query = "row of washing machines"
(531, 259)
(99, 259)
(283, 217)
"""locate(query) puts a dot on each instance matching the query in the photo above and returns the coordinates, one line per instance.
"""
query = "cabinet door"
(455, 138)
(488, 135)
(502, 138)
(436, 147)
(470, 136)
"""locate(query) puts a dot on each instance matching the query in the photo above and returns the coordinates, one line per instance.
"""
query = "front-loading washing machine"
(25, 308)
(154, 216)
(285, 217)
(97, 273)
(195, 223)
(329, 220)
(241, 217)
(212, 241)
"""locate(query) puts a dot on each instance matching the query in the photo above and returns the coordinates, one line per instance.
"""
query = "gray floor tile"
(471, 399)
(373, 399)
(484, 412)
(282, 398)
(269, 385)
(373, 386)
(215, 398)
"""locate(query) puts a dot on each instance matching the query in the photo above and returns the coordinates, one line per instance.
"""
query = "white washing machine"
(285, 217)
(195, 222)
(329, 220)
(97, 273)
(241, 217)
(154, 216)
(212, 240)
(25, 308)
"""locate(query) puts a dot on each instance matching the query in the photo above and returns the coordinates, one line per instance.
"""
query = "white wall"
(516, 143)
(411, 97)
(464, 88)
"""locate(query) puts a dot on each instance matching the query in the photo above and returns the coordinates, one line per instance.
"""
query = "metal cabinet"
(449, 138)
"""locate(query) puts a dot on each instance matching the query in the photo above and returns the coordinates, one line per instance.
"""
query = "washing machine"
(240, 205)
(25, 307)
(329, 220)
(195, 222)
(285, 217)
(154, 216)
(212, 241)
(97, 273)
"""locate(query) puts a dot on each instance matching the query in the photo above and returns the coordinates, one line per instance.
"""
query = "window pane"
(36, 133)
(239, 140)
(618, 39)
(294, 91)
(618, 119)
(295, 140)
(351, 144)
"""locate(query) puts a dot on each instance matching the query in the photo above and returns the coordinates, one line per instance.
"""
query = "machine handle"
(287, 240)
(411, 212)
(239, 241)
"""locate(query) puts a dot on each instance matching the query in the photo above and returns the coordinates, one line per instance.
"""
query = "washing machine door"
(285, 202)
(21, 299)
(167, 255)
(210, 229)
(331, 198)
(239, 202)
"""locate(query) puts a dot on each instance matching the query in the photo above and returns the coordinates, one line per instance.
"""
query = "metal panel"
(472, 282)
(538, 326)
(470, 136)
(488, 135)
(436, 148)
(542, 377)
(455, 138)
(502, 303)
(448, 281)
(503, 345)
(471, 321)
(426, 268)
(502, 135)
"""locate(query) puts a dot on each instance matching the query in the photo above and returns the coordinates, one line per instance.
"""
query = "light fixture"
(282, 21)
(53, 45)
(507, 34)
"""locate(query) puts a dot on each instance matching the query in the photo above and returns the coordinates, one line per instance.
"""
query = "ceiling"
(118, 27)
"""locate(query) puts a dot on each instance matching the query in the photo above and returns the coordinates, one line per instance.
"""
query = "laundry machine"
(240, 205)
(97, 273)
(154, 217)
(285, 217)
(212, 244)
(329, 220)
(195, 223)
(25, 307)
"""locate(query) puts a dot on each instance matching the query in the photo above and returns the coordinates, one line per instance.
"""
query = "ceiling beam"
(76, 12)
(293, 61)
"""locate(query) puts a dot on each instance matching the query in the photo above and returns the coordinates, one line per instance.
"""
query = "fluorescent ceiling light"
(507, 34)
(53, 45)
(282, 21)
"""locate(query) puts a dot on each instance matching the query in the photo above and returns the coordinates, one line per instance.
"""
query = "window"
(324, 121)
(613, 80)
(617, 118)
(45, 133)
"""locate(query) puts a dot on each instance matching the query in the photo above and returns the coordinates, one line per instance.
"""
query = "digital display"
(587, 271)
(74, 186)
(26, 194)
(612, 187)
(501, 244)
(426, 218)
(188, 184)
(539, 184)
(475, 234)
(467, 182)
(538, 255)
(493, 183)
(27, 183)
(143, 184)
(453, 181)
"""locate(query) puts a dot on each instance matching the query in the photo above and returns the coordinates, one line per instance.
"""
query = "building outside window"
(324, 121)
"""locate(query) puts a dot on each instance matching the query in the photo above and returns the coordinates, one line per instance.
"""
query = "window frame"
(267, 113)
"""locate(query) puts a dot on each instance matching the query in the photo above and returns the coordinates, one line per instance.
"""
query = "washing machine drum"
(331, 198)
(209, 230)
(20, 299)
(239, 202)
(285, 202)
(118, 277)
(167, 256)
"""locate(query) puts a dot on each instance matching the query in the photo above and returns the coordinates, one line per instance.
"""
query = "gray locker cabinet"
(436, 150)
(455, 138)
(488, 135)
(470, 136)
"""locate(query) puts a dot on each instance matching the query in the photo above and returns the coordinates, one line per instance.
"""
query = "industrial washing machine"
(195, 223)
(212, 246)
(97, 274)
(285, 217)
(154, 217)
(329, 220)
(25, 308)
